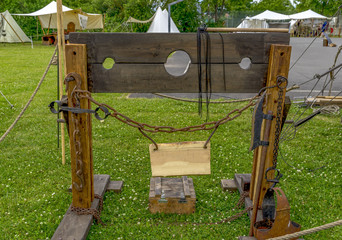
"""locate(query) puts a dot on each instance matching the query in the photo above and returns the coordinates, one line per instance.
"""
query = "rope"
(29, 101)
(308, 231)
(220, 102)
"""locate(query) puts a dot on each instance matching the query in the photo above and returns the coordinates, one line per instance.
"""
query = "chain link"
(168, 129)
(91, 211)
(280, 81)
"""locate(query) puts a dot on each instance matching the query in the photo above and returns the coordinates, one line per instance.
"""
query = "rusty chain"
(280, 81)
(168, 129)
(96, 213)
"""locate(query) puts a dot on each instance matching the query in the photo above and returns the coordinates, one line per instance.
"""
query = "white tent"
(48, 17)
(10, 30)
(253, 23)
(160, 22)
(269, 15)
(308, 14)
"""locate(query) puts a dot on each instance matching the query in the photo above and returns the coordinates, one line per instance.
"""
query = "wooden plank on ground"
(325, 100)
(115, 186)
(238, 178)
(76, 227)
(179, 159)
(228, 185)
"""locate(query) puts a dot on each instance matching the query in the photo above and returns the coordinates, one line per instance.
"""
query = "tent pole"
(12, 28)
(60, 32)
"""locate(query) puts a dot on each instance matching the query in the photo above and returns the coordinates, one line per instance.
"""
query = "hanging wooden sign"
(180, 159)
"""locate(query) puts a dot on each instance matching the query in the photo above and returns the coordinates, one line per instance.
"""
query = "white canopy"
(269, 15)
(253, 23)
(10, 30)
(48, 17)
(308, 14)
(160, 22)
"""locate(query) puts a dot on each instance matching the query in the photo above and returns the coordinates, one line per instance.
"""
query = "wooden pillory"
(140, 68)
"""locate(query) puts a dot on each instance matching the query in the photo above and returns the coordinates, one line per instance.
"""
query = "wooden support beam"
(279, 62)
(80, 130)
(75, 226)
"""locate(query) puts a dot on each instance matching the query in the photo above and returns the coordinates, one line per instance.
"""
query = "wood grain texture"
(228, 185)
(140, 57)
(279, 66)
(173, 189)
(75, 226)
(76, 61)
(179, 159)
(156, 47)
(146, 78)
(115, 186)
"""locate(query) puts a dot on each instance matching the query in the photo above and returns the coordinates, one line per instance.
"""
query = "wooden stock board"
(140, 58)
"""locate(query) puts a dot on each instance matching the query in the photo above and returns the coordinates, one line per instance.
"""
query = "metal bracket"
(78, 110)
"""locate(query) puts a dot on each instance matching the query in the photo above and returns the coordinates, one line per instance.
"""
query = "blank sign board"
(180, 159)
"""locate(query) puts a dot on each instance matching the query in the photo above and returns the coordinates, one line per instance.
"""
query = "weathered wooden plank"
(239, 178)
(279, 66)
(80, 139)
(173, 201)
(179, 159)
(228, 185)
(75, 226)
(156, 47)
(115, 186)
(186, 186)
(147, 78)
(247, 238)
(158, 186)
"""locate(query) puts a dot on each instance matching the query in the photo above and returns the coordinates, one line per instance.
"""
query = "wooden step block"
(228, 185)
(172, 195)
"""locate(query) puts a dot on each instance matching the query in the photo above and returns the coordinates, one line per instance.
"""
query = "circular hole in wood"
(282, 54)
(245, 63)
(74, 52)
(177, 63)
(108, 63)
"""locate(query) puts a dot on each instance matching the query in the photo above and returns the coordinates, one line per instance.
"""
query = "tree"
(324, 7)
(281, 6)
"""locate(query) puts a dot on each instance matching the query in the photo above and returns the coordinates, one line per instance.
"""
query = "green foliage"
(280, 6)
(186, 15)
(324, 7)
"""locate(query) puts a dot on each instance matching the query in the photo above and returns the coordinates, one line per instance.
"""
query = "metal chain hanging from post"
(280, 80)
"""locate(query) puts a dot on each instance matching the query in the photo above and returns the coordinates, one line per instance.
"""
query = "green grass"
(34, 183)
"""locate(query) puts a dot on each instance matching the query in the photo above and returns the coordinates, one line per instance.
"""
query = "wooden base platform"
(172, 195)
(239, 183)
(75, 226)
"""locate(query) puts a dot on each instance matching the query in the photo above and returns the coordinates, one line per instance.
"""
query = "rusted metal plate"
(179, 159)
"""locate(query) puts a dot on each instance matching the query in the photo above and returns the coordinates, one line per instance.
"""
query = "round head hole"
(245, 63)
(108, 63)
(177, 63)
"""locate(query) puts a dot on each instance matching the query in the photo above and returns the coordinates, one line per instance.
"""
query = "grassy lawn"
(34, 183)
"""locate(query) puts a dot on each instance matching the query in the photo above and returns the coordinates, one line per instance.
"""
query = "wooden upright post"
(60, 33)
(80, 131)
(279, 62)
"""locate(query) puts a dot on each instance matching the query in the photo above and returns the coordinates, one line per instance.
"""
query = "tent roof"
(269, 15)
(10, 31)
(48, 17)
(51, 8)
(160, 22)
(308, 14)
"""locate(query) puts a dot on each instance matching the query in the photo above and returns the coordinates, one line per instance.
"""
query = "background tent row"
(261, 20)
(10, 31)
(48, 17)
